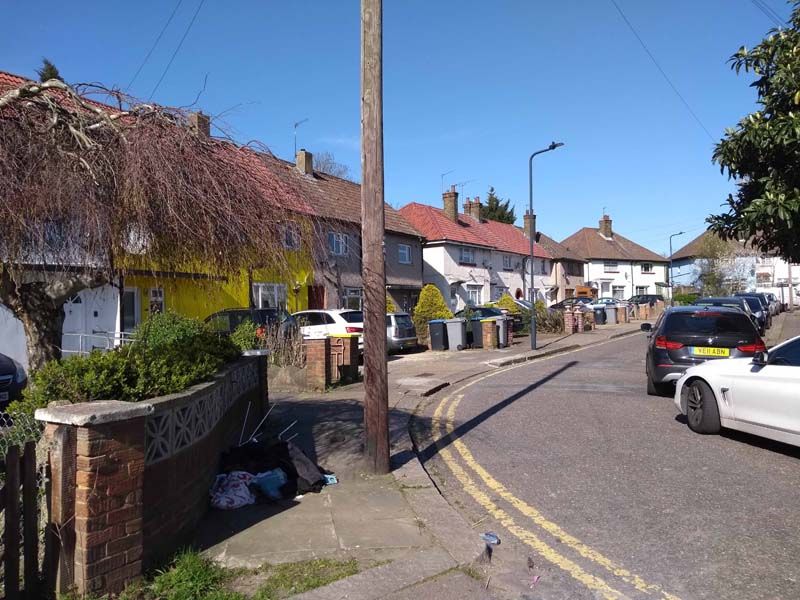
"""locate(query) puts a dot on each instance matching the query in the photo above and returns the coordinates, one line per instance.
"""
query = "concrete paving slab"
(384, 533)
(453, 585)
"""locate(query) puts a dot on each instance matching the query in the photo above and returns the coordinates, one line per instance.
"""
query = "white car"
(316, 324)
(759, 395)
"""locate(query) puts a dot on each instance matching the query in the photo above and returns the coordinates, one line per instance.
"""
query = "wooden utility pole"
(376, 398)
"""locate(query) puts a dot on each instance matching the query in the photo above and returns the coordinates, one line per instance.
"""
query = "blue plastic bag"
(270, 483)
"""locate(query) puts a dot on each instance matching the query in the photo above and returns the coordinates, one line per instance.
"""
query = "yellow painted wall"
(199, 298)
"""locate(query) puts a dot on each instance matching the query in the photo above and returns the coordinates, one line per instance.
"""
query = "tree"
(761, 152)
(90, 191)
(496, 209)
(431, 305)
(48, 71)
(722, 269)
(326, 163)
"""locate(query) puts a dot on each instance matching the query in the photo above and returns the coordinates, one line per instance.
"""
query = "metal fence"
(97, 340)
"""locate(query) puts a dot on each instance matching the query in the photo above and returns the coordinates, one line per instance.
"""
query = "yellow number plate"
(702, 351)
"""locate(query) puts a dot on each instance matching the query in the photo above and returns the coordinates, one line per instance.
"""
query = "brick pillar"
(621, 314)
(579, 324)
(318, 364)
(644, 311)
(569, 322)
(109, 475)
(489, 334)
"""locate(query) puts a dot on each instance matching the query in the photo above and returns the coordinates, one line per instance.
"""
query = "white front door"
(72, 338)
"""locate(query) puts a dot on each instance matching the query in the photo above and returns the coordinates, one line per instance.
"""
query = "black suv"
(226, 321)
(12, 380)
(650, 299)
(685, 336)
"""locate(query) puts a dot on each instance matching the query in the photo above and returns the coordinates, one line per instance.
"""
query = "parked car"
(759, 395)
(775, 304)
(571, 303)
(603, 302)
(650, 299)
(685, 336)
(760, 310)
(400, 332)
(315, 324)
(12, 380)
(734, 302)
(764, 303)
(226, 321)
(483, 312)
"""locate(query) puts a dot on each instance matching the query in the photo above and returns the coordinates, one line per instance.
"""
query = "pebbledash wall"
(131, 480)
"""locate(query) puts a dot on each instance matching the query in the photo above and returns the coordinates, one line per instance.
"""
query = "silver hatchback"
(400, 332)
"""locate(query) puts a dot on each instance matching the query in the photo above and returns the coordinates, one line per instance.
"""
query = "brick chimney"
(475, 209)
(468, 206)
(529, 224)
(200, 123)
(450, 201)
(305, 162)
(605, 227)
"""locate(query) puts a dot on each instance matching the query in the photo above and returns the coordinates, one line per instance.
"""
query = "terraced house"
(616, 266)
(473, 260)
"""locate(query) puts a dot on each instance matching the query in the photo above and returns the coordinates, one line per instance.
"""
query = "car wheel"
(657, 389)
(702, 412)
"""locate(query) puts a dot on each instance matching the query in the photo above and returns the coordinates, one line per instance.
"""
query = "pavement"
(409, 540)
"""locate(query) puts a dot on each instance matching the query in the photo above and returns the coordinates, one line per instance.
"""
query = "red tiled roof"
(588, 243)
(435, 226)
(695, 247)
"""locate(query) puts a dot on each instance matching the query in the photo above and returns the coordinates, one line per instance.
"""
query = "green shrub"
(431, 305)
(390, 305)
(245, 336)
(166, 357)
(685, 298)
(507, 302)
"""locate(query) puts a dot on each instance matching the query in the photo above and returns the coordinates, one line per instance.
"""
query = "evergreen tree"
(431, 305)
(496, 209)
(48, 71)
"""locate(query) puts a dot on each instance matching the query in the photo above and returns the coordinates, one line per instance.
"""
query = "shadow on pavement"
(753, 440)
(433, 448)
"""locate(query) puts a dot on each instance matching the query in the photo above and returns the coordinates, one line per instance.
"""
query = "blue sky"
(469, 86)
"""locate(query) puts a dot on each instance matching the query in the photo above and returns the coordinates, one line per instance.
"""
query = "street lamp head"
(554, 145)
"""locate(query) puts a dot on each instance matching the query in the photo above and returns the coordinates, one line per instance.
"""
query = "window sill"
(404, 263)
(467, 264)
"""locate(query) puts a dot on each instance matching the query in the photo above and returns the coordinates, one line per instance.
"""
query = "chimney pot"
(605, 227)
(200, 123)
(450, 203)
(305, 162)
(475, 208)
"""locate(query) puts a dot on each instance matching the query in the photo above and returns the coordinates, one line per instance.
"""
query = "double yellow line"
(533, 520)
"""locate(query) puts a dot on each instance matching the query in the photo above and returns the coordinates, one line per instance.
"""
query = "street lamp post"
(671, 287)
(552, 146)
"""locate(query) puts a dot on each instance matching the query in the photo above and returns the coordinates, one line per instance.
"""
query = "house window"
(610, 266)
(338, 243)
(269, 295)
(352, 298)
(574, 268)
(542, 270)
(474, 294)
(130, 309)
(619, 292)
(467, 256)
(647, 268)
(404, 254)
(507, 262)
(763, 279)
(291, 236)
(156, 300)
(641, 290)
(605, 289)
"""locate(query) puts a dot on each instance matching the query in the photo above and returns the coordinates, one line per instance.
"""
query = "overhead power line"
(660, 70)
(153, 47)
(178, 48)
(767, 10)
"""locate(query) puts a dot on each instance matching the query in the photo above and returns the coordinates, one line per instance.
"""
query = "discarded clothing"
(271, 483)
(231, 491)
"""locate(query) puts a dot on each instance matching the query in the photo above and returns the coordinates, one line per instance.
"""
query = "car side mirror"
(646, 327)
(760, 358)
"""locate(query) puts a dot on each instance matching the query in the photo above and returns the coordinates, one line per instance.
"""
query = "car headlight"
(20, 376)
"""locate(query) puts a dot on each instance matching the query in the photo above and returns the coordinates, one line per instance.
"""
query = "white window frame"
(474, 295)
(156, 299)
(353, 293)
(641, 290)
(618, 292)
(404, 254)
(269, 295)
(508, 262)
(610, 266)
(291, 236)
(466, 256)
(649, 271)
(338, 243)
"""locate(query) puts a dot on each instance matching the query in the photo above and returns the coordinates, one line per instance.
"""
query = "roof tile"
(589, 243)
